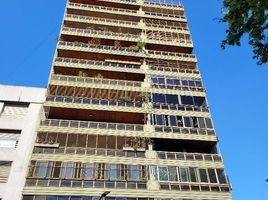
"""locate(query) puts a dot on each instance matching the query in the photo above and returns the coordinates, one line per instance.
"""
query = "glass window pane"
(114, 172)
(161, 80)
(200, 101)
(172, 99)
(184, 174)
(201, 122)
(170, 81)
(203, 175)
(193, 175)
(172, 121)
(69, 170)
(159, 98)
(187, 122)
(88, 171)
(221, 176)
(172, 173)
(212, 176)
(209, 123)
(159, 120)
(133, 172)
(163, 173)
(187, 100)
(41, 169)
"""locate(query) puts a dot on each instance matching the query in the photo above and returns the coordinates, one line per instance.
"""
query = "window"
(159, 120)
(221, 176)
(133, 172)
(5, 168)
(187, 122)
(163, 173)
(114, 171)
(201, 122)
(209, 123)
(203, 175)
(172, 99)
(67, 170)
(184, 174)
(187, 100)
(159, 98)
(9, 138)
(200, 101)
(172, 173)
(172, 121)
(43, 169)
(212, 176)
(193, 175)
(15, 111)
(88, 171)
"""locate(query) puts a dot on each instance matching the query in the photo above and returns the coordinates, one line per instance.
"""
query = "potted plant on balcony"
(140, 46)
(125, 99)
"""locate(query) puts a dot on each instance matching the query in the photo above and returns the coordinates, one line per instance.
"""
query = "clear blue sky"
(237, 88)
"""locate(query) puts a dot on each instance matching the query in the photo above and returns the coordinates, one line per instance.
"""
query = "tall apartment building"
(20, 112)
(126, 110)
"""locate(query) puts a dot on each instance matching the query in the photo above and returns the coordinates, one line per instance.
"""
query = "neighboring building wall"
(20, 112)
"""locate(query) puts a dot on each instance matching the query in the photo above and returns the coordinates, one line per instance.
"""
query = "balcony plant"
(125, 99)
(138, 47)
(99, 76)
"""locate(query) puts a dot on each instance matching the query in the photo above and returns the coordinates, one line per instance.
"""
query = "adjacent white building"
(20, 113)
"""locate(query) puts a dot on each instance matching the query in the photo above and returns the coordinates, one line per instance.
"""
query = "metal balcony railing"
(93, 125)
(89, 151)
(105, 20)
(176, 70)
(185, 131)
(97, 63)
(177, 87)
(101, 81)
(93, 101)
(155, 14)
(180, 107)
(30, 182)
(128, 51)
(102, 33)
(102, 8)
(189, 156)
(168, 3)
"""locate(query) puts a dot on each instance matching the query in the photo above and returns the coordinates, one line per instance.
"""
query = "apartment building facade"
(126, 109)
(20, 112)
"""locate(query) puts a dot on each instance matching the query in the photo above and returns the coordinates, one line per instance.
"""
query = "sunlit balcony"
(126, 51)
(95, 82)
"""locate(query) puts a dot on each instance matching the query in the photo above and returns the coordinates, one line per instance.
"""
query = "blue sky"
(236, 86)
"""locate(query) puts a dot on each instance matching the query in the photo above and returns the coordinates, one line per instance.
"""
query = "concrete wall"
(20, 156)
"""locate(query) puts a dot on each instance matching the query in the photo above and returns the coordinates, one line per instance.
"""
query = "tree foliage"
(247, 17)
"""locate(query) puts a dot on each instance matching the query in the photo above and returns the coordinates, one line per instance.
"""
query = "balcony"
(98, 65)
(102, 9)
(101, 21)
(95, 82)
(177, 107)
(126, 51)
(95, 104)
(189, 156)
(100, 34)
(92, 125)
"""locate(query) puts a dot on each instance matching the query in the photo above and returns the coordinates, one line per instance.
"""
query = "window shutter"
(5, 168)
(14, 111)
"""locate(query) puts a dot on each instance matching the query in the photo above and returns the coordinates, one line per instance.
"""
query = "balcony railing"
(180, 107)
(161, 15)
(195, 187)
(32, 182)
(189, 156)
(104, 20)
(92, 125)
(89, 151)
(97, 63)
(96, 81)
(176, 70)
(102, 8)
(129, 52)
(185, 131)
(177, 87)
(93, 101)
(103, 34)
(168, 3)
